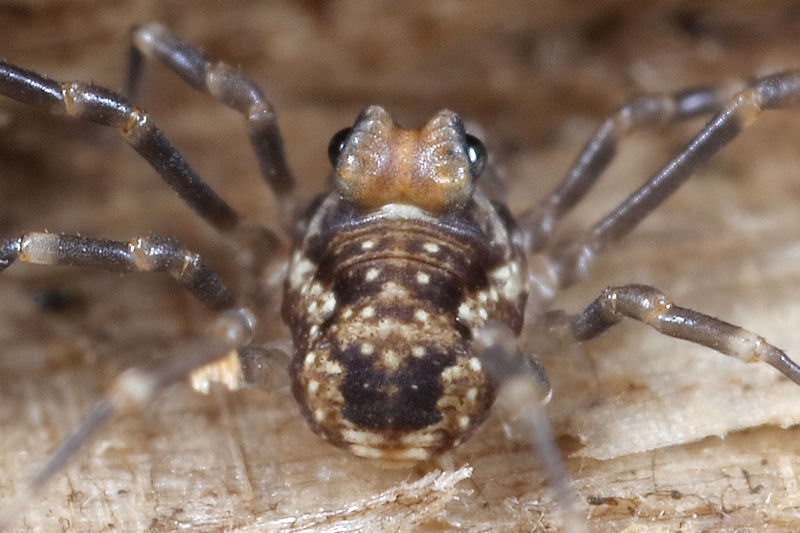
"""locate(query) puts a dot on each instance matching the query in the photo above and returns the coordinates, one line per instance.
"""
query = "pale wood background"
(640, 416)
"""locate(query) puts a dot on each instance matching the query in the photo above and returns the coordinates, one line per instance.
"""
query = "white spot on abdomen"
(431, 247)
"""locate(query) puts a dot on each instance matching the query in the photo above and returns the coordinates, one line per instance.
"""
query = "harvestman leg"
(234, 327)
(569, 262)
(496, 345)
(228, 85)
(99, 105)
(539, 222)
(651, 307)
(647, 304)
(136, 386)
(147, 254)
(96, 104)
(561, 264)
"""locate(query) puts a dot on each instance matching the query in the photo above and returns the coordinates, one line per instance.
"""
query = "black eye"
(336, 145)
(476, 153)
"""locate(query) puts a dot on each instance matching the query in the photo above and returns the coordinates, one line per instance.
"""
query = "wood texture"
(640, 416)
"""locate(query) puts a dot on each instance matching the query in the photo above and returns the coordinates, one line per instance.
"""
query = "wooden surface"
(641, 417)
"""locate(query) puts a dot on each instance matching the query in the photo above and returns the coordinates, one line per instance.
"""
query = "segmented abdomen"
(382, 312)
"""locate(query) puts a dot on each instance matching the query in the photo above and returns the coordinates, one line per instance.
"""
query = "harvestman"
(407, 287)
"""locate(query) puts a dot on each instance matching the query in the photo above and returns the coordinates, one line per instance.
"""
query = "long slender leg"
(539, 222)
(496, 347)
(774, 92)
(99, 105)
(137, 386)
(132, 391)
(226, 84)
(651, 307)
(147, 254)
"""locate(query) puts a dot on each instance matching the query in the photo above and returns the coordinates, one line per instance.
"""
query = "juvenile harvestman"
(482, 315)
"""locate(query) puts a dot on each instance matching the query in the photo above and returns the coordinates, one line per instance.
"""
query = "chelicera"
(407, 287)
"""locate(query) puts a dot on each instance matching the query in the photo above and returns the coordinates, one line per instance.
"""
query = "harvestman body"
(407, 287)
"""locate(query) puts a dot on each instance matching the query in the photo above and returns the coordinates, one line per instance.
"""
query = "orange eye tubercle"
(379, 163)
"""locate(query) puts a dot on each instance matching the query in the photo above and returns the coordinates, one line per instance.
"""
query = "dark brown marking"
(397, 401)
